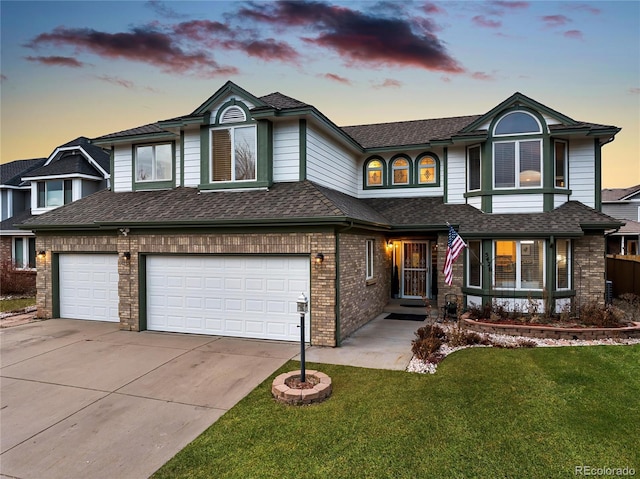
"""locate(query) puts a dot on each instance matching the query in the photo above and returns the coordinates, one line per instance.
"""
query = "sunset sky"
(72, 69)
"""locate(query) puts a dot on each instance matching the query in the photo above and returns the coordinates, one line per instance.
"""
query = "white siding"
(191, 158)
(214, 110)
(559, 200)
(178, 161)
(286, 151)
(582, 171)
(456, 168)
(475, 201)
(517, 204)
(122, 168)
(329, 164)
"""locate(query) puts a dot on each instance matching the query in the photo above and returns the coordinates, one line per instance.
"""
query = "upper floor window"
(473, 168)
(427, 170)
(400, 171)
(517, 164)
(374, 171)
(234, 153)
(517, 123)
(560, 163)
(54, 193)
(154, 162)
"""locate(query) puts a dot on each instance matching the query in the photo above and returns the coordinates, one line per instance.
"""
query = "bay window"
(563, 263)
(560, 164)
(474, 263)
(473, 168)
(517, 164)
(519, 264)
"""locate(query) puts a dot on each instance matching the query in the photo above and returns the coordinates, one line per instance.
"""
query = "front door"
(416, 259)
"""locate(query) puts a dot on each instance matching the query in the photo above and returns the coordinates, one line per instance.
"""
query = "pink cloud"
(485, 22)
(337, 78)
(575, 34)
(511, 5)
(388, 83)
(359, 38)
(482, 76)
(433, 9)
(555, 20)
(56, 61)
(116, 81)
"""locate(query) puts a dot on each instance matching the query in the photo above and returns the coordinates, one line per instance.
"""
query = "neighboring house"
(32, 187)
(624, 204)
(217, 220)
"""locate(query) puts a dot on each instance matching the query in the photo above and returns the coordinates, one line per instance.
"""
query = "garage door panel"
(88, 286)
(242, 296)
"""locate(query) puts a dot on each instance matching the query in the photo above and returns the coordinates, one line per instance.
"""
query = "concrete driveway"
(81, 399)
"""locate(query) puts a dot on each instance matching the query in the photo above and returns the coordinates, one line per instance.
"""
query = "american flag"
(454, 248)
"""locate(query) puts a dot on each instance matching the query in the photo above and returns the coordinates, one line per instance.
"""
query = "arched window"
(517, 123)
(375, 172)
(427, 170)
(233, 114)
(400, 171)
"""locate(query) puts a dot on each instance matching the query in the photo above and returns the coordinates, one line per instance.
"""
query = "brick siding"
(589, 268)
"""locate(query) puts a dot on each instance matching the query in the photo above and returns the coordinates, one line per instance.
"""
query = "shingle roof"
(308, 203)
(281, 102)
(151, 128)
(407, 132)
(616, 194)
(11, 173)
(10, 223)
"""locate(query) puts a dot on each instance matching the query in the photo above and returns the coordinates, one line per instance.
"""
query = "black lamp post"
(303, 307)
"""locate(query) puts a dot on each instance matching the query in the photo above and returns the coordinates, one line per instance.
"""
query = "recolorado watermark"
(585, 470)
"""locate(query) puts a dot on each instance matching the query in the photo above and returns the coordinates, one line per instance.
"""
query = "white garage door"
(241, 296)
(89, 286)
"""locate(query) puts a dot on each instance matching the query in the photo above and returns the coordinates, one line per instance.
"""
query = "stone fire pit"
(287, 388)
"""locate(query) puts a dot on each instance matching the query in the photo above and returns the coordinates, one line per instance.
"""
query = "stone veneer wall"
(322, 294)
(362, 300)
(589, 268)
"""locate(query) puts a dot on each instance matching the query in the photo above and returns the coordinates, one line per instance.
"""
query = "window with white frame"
(234, 153)
(54, 193)
(473, 168)
(369, 258)
(427, 170)
(400, 171)
(517, 163)
(560, 163)
(474, 263)
(563, 264)
(24, 252)
(519, 264)
(154, 162)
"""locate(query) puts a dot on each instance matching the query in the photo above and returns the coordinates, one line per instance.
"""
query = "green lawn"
(487, 413)
(15, 304)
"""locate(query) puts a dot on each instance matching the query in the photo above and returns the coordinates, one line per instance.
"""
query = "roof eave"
(131, 138)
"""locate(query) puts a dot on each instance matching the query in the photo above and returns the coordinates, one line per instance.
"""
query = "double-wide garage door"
(89, 286)
(241, 296)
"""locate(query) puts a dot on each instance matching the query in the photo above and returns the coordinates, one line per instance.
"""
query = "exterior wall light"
(42, 253)
(319, 259)
(126, 255)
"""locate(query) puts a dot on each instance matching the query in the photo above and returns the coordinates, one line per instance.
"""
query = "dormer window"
(54, 193)
(234, 150)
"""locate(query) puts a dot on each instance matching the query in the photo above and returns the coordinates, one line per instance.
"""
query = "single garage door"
(89, 286)
(241, 296)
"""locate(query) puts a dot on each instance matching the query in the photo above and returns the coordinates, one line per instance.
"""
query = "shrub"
(458, 336)
(632, 303)
(428, 341)
(601, 316)
(16, 281)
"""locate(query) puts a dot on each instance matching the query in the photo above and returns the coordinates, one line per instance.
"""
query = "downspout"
(598, 176)
(337, 281)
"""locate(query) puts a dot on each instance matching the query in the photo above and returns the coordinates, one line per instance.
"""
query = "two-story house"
(217, 220)
(624, 204)
(32, 187)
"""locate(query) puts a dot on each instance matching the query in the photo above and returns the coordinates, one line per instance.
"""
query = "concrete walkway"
(81, 399)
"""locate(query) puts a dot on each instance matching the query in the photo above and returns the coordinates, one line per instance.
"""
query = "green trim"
(205, 155)
(598, 174)
(153, 185)
(228, 88)
(228, 104)
(445, 174)
(148, 137)
(55, 285)
(486, 176)
(521, 191)
(365, 186)
(264, 153)
(183, 121)
(234, 185)
(182, 158)
(142, 292)
(112, 165)
(302, 148)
